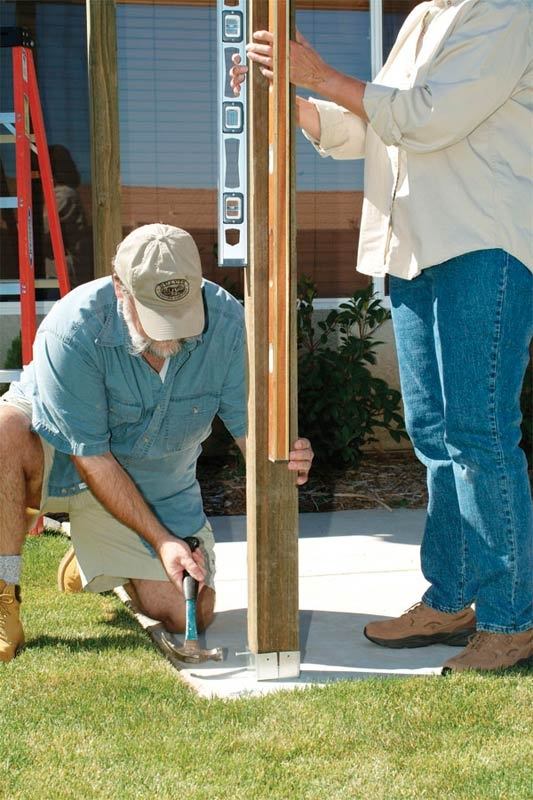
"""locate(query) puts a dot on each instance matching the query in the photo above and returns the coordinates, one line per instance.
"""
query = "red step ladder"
(28, 108)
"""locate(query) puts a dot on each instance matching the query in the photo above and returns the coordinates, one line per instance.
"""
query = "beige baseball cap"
(160, 266)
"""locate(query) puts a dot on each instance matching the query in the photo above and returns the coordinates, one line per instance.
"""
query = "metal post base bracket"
(272, 666)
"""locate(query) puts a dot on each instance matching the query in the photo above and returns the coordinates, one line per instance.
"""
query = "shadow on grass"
(90, 643)
(117, 618)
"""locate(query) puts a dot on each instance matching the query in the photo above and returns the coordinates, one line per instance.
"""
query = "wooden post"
(105, 143)
(279, 215)
(272, 500)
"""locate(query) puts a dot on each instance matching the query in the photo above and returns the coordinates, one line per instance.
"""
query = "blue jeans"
(462, 331)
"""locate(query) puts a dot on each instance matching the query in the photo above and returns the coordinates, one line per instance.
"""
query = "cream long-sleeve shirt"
(448, 147)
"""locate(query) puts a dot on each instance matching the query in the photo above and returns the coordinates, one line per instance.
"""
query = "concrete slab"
(355, 566)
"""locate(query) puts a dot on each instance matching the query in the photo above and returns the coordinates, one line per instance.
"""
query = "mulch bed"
(382, 480)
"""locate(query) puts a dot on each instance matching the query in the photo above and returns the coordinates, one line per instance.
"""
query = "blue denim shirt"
(90, 396)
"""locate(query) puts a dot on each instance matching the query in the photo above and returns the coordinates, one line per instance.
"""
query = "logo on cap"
(173, 290)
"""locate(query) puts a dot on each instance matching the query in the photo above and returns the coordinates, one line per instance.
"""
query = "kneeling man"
(107, 423)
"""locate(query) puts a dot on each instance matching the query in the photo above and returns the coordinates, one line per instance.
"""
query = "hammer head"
(190, 651)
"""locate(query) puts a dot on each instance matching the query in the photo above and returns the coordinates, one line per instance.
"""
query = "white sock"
(10, 568)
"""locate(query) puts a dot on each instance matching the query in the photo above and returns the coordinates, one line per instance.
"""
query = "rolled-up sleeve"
(475, 72)
(342, 134)
(232, 407)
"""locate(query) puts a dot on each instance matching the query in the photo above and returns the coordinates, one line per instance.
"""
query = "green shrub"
(13, 360)
(14, 354)
(340, 403)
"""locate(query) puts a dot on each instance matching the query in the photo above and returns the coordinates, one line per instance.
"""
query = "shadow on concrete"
(401, 526)
(332, 646)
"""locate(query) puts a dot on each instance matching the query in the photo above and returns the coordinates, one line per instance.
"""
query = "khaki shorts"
(108, 553)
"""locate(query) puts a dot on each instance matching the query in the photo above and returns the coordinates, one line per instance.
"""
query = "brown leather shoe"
(492, 651)
(11, 633)
(68, 574)
(421, 626)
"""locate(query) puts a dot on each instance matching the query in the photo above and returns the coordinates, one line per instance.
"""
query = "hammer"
(191, 652)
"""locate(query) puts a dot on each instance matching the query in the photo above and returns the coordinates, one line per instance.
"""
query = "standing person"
(77, 238)
(107, 423)
(445, 131)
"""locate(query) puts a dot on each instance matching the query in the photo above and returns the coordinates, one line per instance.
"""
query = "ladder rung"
(11, 138)
(15, 37)
(46, 283)
(9, 202)
(7, 118)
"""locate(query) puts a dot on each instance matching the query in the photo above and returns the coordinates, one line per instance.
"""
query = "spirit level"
(231, 126)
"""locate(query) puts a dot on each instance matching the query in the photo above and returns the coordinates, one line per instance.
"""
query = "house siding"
(168, 124)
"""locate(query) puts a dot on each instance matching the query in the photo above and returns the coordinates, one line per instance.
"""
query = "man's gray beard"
(139, 345)
(164, 350)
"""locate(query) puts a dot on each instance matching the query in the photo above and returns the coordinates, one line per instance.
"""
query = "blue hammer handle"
(190, 592)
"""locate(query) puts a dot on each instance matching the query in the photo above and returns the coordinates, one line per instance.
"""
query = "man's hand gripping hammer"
(191, 652)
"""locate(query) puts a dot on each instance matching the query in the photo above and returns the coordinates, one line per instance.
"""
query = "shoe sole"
(63, 564)
(524, 662)
(456, 639)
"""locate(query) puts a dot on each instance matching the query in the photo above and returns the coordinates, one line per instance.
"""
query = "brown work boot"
(422, 625)
(11, 633)
(491, 651)
(68, 574)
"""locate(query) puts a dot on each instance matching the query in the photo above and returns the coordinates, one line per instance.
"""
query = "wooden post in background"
(272, 499)
(105, 143)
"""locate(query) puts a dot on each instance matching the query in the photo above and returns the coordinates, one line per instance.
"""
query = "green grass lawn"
(91, 710)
